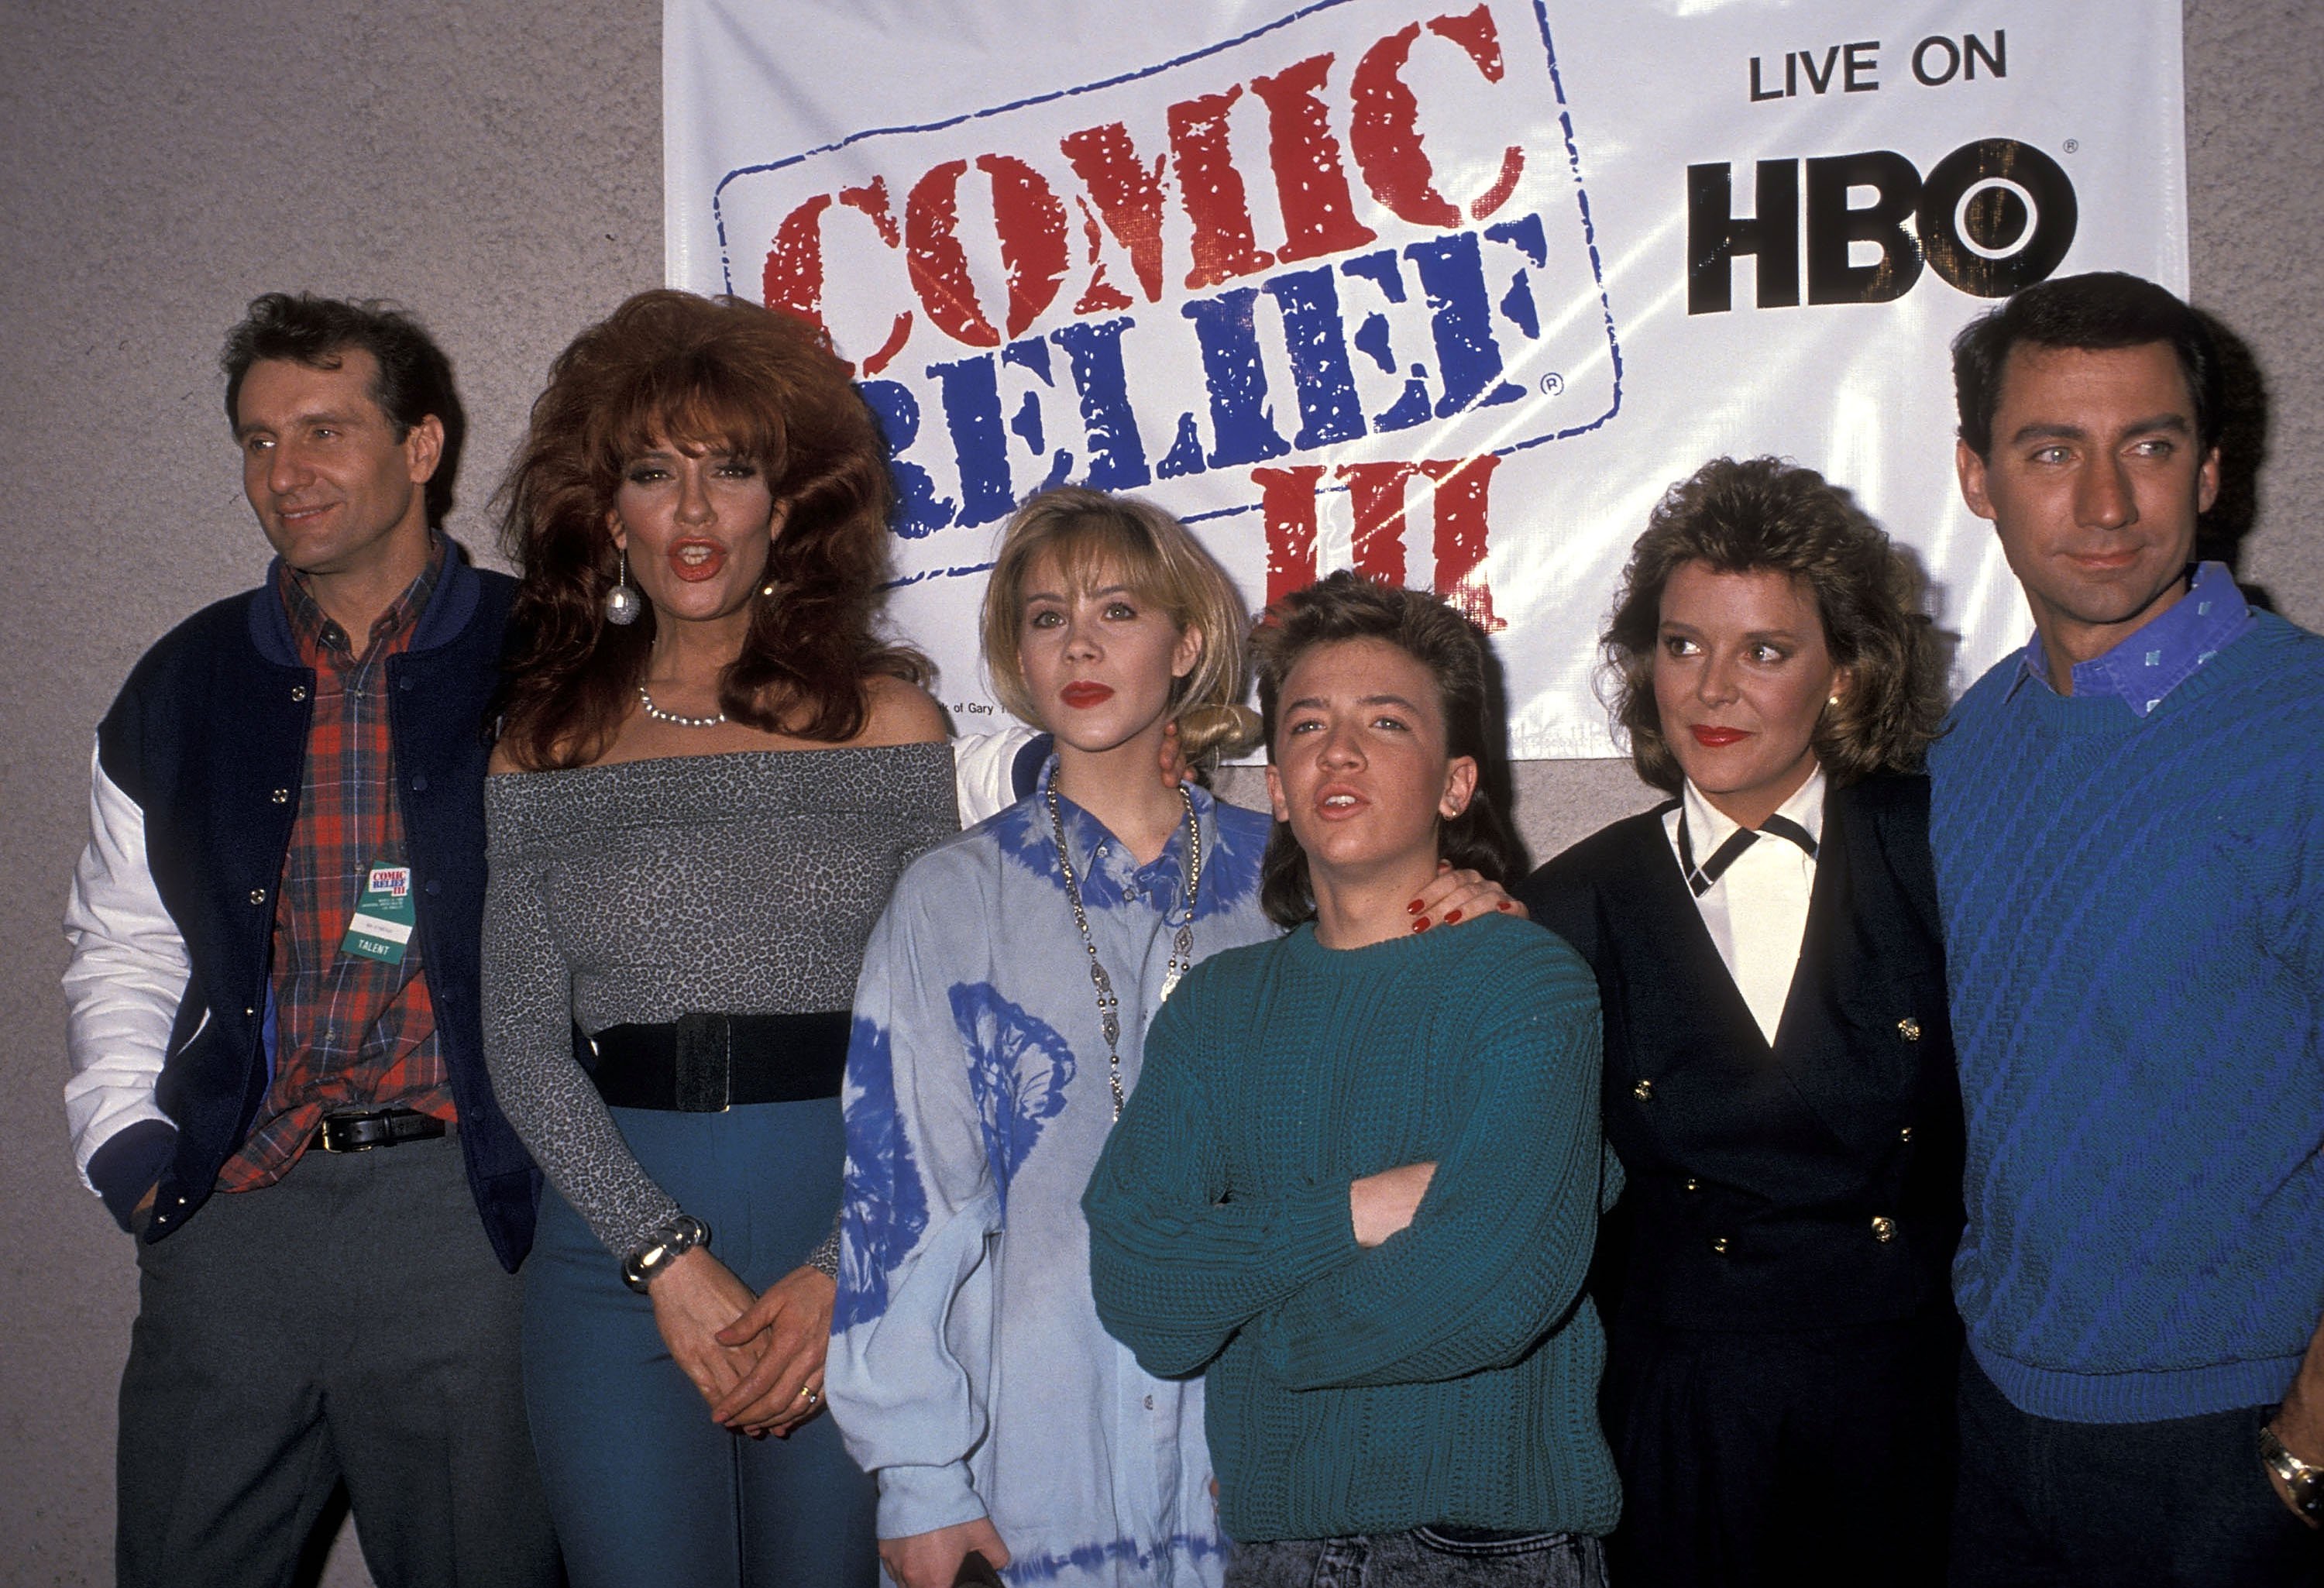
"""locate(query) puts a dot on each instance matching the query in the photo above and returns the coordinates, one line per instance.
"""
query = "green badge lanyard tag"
(385, 916)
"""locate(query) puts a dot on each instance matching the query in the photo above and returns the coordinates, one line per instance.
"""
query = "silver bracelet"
(671, 1242)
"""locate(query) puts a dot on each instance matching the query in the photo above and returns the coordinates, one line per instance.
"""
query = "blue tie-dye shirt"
(968, 1369)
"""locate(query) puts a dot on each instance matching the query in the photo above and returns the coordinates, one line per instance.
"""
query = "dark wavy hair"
(413, 378)
(1765, 514)
(708, 373)
(1348, 606)
(2099, 312)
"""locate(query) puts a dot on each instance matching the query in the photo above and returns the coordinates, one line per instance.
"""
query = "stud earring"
(1833, 703)
(621, 603)
(768, 588)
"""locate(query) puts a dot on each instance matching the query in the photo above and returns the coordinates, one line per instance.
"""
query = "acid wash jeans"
(1425, 1557)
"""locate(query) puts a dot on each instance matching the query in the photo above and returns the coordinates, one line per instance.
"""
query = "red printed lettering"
(1378, 493)
(1319, 213)
(1385, 134)
(1212, 190)
(1128, 193)
(1287, 499)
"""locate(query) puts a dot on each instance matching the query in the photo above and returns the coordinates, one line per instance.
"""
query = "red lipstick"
(1719, 738)
(694, 569)
(1082, 694)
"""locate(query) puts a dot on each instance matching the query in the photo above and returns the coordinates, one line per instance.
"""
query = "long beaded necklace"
(1182, 946)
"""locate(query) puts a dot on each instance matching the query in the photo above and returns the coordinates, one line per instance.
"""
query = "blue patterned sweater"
(2133, 937)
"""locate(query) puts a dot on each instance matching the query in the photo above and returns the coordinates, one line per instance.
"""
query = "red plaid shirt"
(347, 1034)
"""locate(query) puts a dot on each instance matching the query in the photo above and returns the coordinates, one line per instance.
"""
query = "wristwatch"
(2304, 1479)
(681, 1235)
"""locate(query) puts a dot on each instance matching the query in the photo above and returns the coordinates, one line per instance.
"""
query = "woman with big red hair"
(711, 770)
(1779, 1075)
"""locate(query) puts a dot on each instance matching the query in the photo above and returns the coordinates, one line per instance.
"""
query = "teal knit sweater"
(1449, 1375)
(2133, 915)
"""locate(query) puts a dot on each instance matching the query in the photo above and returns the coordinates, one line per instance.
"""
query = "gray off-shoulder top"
(744, 884)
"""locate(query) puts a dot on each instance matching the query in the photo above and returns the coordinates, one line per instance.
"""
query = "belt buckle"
(383, 1119)
(703, 1063)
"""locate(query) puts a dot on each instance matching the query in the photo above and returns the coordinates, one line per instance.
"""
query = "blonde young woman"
(999, 1024)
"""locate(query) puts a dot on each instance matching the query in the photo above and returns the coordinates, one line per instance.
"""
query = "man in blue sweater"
(279, 1079)
(2128, 824)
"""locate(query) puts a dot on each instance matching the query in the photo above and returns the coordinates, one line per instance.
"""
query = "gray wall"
(498, 166)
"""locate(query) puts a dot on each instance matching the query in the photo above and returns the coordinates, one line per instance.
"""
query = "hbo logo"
(1990, 218)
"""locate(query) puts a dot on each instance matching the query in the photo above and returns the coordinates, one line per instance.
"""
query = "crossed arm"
(1348, 1283)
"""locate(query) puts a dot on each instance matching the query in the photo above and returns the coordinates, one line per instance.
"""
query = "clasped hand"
(754, 1358)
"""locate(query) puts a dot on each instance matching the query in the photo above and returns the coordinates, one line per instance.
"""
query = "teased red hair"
(668, 366)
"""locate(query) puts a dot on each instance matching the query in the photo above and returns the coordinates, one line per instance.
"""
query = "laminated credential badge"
(382, 925)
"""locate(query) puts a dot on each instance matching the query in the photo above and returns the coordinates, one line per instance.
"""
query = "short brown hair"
(1348, 606)
(2097, 312)
(696, 372)
(412, 377)
(1765, 514)
(1155, 555)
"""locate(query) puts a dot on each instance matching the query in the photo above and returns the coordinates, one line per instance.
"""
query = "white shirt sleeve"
(127, 977)
(983, 768)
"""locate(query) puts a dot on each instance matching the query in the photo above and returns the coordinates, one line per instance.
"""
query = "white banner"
(1450, 293)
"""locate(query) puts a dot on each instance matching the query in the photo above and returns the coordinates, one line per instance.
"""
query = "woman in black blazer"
(1779, 1075)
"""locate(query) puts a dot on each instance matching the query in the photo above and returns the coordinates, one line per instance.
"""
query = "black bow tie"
(1701, 877)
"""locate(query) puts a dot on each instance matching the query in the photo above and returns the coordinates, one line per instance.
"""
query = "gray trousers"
(1425, 1557)
(346, 1324)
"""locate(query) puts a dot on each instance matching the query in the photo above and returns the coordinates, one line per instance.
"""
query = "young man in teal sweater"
(2129, 827)
(1359, 1182)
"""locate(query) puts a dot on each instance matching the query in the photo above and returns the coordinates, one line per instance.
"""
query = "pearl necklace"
(1182, 946)
(675, 719)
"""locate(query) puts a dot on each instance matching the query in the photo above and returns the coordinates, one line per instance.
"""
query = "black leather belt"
(360, 1132)
(704, 1063)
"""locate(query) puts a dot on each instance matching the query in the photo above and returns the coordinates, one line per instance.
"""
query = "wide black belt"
(704, 1063)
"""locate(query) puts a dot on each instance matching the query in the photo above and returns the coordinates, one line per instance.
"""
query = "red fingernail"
(1451, 916)
(1421, 924)
(1503, 906)
(1413, 908)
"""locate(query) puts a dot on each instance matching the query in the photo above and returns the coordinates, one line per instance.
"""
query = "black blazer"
(1815, 1182)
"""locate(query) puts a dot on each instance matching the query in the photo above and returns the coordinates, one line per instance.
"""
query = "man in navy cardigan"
(2128, 826)
(279, 1081)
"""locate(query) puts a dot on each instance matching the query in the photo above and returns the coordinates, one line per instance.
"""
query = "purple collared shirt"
(2164, 654)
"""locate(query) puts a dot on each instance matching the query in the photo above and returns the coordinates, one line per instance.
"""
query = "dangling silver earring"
(621, 603)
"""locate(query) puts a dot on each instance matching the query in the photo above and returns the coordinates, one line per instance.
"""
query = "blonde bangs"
(1098, 542)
